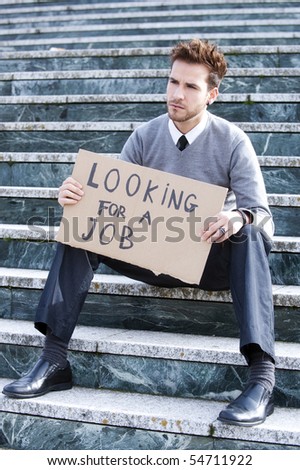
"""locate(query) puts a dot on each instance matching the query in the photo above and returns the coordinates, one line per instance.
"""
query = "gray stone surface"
(119, 285)
(141, 411)
(149, 344)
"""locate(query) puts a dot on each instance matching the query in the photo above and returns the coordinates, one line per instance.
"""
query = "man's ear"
(212, 96)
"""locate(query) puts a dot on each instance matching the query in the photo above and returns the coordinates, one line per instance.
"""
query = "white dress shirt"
(192, 134)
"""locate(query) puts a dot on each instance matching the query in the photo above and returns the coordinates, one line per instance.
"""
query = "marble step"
(134, 58)
(279, 139)
(60, 7)
(171, 416)
(44, 157)
(183, 25)
(20, 253)
(244, 107)
(208, 317)
(283, 295)
(39, 211)
(245, 98)
(141, 81)
(281, 174)
(156, 39)
(281, 200)
(207, 15)
(135, 361)
(81, 17)
(284, 258)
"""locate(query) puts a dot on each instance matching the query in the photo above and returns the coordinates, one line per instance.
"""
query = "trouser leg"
(240, 263)
(251, 289)
(72, 272)
(65, 292)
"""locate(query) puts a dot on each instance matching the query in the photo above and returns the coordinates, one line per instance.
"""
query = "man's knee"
(250, 234)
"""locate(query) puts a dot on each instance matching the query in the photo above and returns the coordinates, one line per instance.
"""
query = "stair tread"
(289, 200)
(154, 344)
(161, 24)
(70, 157)
(174, 37)
(142, 51)
(283, 295)
(142, 98)
(166, 414)
(281, 127)
(141, 73)
(40, 8)
(153, 14)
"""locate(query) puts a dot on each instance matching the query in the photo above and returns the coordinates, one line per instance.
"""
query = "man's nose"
(178, 93)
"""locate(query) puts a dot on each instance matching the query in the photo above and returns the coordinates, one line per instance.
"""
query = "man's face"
(188, 94)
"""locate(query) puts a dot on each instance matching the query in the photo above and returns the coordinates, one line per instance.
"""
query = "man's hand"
(70, 192)
(219, 228)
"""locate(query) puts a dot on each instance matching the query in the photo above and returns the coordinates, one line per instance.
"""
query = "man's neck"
(192, 134)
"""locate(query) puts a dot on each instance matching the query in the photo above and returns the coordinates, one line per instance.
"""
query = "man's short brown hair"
(197, 51)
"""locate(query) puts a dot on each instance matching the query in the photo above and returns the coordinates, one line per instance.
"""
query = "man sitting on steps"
(214, 151)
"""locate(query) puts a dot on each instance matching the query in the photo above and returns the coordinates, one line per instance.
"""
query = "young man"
(214, 151)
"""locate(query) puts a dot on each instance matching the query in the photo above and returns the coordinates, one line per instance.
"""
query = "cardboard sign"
(140, 215)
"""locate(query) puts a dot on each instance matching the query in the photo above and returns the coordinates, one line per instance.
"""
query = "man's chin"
(174, 117)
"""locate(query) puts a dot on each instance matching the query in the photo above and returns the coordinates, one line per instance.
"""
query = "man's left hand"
(219, 228)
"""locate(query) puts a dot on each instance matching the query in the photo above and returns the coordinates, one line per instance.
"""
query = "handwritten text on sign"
(140, 215)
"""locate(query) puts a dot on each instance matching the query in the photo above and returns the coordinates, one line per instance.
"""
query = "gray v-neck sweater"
(222, 154)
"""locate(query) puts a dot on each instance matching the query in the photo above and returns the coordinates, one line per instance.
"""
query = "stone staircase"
(152, 366)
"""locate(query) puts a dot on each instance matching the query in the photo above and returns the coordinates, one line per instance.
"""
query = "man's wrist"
(245, 216)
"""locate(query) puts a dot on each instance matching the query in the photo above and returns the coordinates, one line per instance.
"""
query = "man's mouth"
(176, 105)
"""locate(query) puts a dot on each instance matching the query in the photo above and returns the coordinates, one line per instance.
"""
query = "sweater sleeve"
(247, 184)
(133, 149)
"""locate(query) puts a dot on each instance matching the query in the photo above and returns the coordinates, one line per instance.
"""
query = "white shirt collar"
(192, 134)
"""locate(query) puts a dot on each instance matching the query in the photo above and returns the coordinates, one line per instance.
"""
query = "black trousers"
(239, 264)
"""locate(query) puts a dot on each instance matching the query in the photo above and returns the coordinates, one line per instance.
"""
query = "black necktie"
(182, 142)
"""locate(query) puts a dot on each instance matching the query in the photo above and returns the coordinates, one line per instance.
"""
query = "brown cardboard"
(140, 215)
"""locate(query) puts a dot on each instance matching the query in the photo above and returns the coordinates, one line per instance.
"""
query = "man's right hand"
(70, 192)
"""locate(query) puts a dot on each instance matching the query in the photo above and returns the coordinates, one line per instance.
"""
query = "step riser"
(140, 85)
(277, 180)
(37, 255)
(66, 35)
(250, 15)
(147, 375)
(280, 144)
(242, 112)
(152, 41)
(26, 432)
(151, 314)
(288, 60)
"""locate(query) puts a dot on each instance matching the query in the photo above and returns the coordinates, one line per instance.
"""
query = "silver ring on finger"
(222, 230)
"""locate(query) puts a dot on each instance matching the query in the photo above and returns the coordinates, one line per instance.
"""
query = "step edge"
(142, 343)
(283, 295)
(143, 51)
(157, 413)
(70, 157)
(274, 199)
